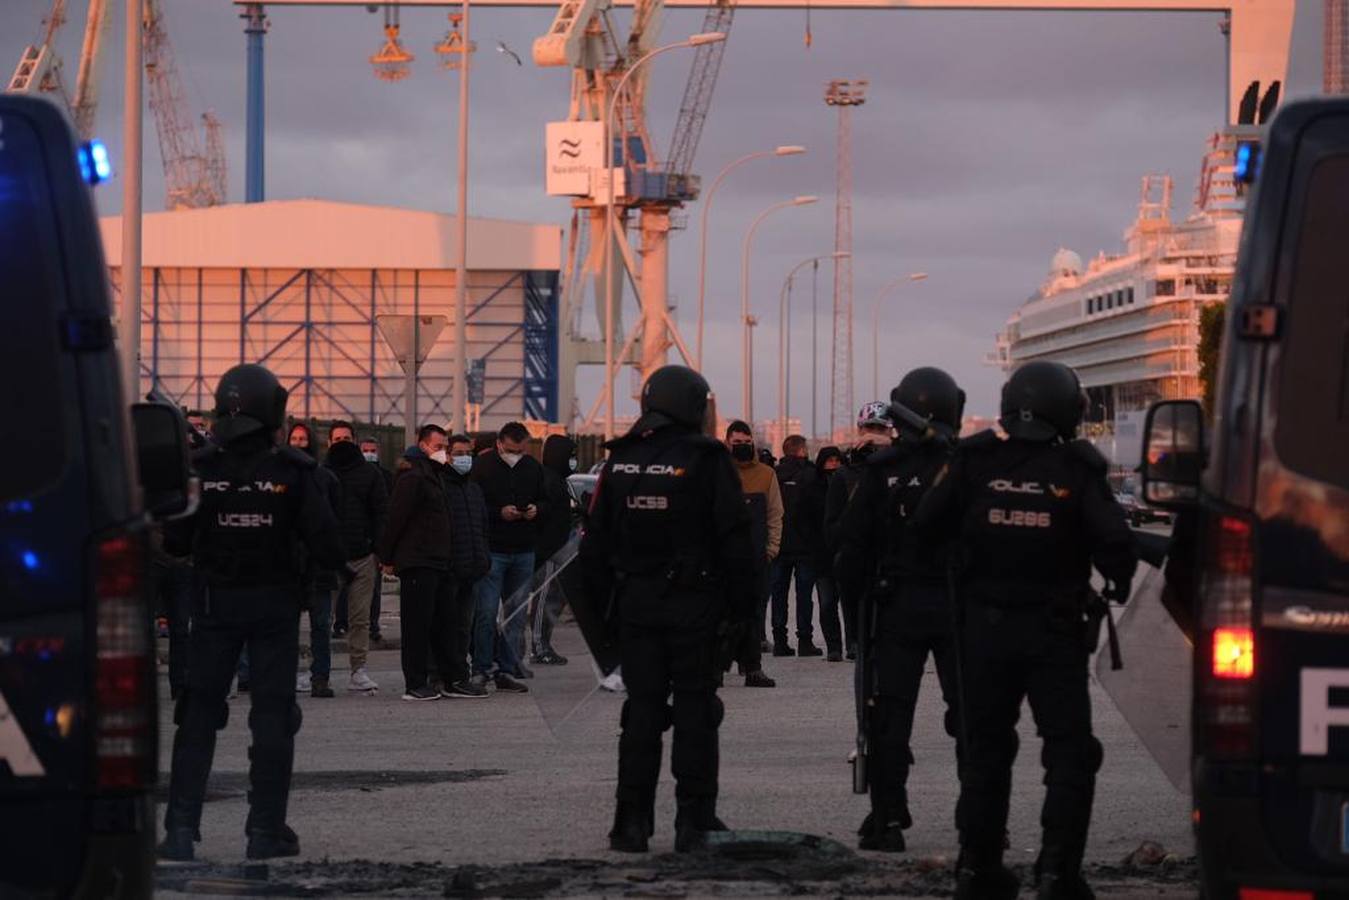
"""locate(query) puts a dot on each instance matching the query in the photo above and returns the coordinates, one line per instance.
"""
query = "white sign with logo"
(575, 149)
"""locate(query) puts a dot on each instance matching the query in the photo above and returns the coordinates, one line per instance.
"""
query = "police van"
(77, 664)
(1265, 490)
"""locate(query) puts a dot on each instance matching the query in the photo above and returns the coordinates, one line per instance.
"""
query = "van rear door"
(65, 507)
(1300, 532)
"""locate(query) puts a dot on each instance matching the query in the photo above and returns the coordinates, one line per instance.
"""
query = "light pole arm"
(702, 239)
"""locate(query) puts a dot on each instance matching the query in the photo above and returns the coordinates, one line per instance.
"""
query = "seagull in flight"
(502, 48)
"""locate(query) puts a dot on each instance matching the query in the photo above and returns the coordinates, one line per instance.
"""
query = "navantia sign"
(574, 150)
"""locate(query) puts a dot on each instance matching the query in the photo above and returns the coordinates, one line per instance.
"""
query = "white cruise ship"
(1129, 323)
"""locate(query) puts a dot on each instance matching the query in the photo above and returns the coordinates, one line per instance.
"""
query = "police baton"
(919, 426)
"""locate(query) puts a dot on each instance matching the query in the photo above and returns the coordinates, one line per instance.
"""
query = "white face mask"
(440, 457)
(462, 464)
(371, 456)
(511, 459)
(571, 464)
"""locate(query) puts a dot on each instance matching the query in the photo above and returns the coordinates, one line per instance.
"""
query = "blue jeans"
(492, 650)
(805, 606)
(320, 632)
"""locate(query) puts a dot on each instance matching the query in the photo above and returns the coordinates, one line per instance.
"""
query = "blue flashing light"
(19, 506)
(95, 165)
(49, 717)
(1247, 162)
(30, 560)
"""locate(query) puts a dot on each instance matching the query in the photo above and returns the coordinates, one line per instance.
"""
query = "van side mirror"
(1173, 453)
(162, 460)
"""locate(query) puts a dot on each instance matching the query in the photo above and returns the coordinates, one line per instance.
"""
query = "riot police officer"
(668, 540)
(1033, 513)
(262, 518)
(905, 612)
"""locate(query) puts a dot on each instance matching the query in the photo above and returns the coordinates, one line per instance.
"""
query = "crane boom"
(193, 177)
(85, 103)
(697, 100)
(39, 68)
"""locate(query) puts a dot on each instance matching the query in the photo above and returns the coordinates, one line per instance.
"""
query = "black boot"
(982, 876)
(1058, 871)
(883, 828)
(632, 827)
(273, 843)
(177, 845)
(693, 820)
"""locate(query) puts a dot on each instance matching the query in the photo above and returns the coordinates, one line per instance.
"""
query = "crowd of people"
(463, 526)
(976, 553)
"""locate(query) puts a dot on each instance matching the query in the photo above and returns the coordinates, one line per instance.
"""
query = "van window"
(30, 291)
(1313, 427)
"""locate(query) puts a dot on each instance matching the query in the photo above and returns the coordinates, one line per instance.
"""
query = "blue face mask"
(462, 464)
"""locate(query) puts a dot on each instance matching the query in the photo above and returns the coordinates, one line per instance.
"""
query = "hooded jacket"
(518, 486)
(814, 492)
(418, 531)
(363, 502)
(555, 526)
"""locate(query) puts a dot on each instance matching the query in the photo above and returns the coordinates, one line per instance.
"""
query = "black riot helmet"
(932, 394)
(674, 395)
(248, 399)
(1041, 401)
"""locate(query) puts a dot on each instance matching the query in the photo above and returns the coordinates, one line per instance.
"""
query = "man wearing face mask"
(470, 559)
(814, 493)
(415, 545)
(764, 500)
(559, 461)
(512, 483)
(874, 431)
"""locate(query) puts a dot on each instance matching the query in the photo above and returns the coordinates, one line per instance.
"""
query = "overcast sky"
(988, 140)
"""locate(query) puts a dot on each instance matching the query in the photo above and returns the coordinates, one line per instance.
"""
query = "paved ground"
(512, 782)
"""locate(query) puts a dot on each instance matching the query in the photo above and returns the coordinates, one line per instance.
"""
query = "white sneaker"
(613, 682)
(360, 681)
(303, 685)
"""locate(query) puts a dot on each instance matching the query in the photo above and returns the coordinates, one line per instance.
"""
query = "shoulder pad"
(297, 458)
(705, 442)
(205, 453)
(979, 440)
(1086, 452)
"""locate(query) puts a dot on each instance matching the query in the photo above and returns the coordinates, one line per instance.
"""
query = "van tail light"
(1268, 894)
(124, 732)
(1226, 597)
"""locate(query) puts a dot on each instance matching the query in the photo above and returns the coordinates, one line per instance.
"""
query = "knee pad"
(273, 718)
(698, 712)
(1072, 761)
(296, 719)
(644, 718)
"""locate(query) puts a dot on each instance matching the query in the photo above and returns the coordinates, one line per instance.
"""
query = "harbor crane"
(194, 165)
(583, 37)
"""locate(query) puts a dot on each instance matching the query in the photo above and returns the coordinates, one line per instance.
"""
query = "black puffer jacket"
(792, 472)
(363, 507)
(470, 558)
(418, 532)
(555, 526)
(503, 486)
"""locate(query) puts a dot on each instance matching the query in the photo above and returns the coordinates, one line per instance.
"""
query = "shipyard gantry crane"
(194, 167)
(583, 37)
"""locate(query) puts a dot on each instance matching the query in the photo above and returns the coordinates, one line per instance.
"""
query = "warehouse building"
(303, 286)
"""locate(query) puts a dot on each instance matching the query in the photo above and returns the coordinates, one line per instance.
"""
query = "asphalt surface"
(512, 795)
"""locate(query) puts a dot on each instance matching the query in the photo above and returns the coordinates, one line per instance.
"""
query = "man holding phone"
(512, 482)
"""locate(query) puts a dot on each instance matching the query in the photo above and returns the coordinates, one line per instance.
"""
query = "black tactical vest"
(660, 506)
(904, 554)
(245, 534)
(1024, 540)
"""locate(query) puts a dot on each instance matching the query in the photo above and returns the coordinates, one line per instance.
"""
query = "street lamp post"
(912, 278)
(785, 336)
(460, 398)
(610, 220)
(785, 150)
(747, 362)
(129, 328)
